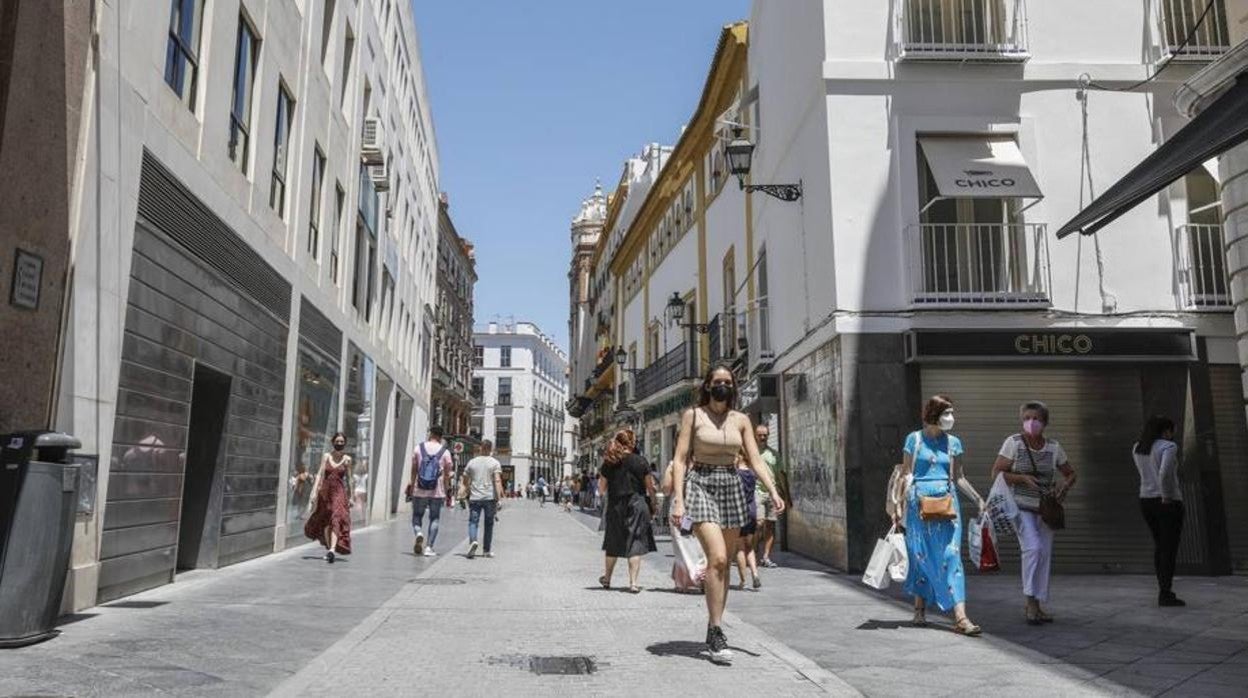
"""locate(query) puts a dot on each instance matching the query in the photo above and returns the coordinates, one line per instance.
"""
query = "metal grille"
(1183, 17)
(669, 369)
(976, 263)
(1202, 266)
(319, 330)
(170, 207)
(962, 29)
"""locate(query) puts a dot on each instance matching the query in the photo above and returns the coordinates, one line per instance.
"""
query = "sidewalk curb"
(825, 680)
(322, 667)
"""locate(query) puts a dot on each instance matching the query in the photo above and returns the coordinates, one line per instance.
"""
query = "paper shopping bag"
(900, 565)
(877, 576)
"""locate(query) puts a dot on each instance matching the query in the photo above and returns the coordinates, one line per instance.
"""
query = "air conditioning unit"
(379, 174)
(370, 148)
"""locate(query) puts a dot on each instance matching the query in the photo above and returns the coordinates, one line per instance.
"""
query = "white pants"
(1036, 541)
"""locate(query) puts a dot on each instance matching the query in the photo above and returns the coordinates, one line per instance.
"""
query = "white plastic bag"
(1001, 509)
(899, 567)
(981, 539)
(689, 568)
(877, 576)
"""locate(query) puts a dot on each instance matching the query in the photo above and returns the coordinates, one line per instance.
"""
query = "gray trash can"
(38, 498)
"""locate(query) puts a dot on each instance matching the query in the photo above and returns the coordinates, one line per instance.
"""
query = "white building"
(254, 242)
(520, 386)
(935, 142)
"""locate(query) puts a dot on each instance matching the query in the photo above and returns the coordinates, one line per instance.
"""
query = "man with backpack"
(432, 471)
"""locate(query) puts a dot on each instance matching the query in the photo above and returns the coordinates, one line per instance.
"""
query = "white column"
(1234, 172)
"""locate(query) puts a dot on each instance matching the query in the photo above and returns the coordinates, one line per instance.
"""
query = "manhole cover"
(562, 666)
(437, 581)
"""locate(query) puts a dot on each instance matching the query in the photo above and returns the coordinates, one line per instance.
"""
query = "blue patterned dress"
(934, 547)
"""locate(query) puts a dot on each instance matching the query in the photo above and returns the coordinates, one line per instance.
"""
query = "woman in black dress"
(626, 481)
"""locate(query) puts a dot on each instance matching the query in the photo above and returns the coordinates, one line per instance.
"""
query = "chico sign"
(1053, 344)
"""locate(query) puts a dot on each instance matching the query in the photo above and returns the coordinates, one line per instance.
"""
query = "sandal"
(920, 618)
(606, 583)
(967, 628)
(634, 589)
(1043, 617)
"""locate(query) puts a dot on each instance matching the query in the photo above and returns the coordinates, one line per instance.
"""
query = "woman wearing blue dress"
(934, 547)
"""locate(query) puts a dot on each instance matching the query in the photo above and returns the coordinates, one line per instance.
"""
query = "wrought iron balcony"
(1182, 18)
(961, 30)
(669, 369)
(979, 264)
(1200, 263)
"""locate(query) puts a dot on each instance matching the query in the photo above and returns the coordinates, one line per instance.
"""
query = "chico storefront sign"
(1050, 344)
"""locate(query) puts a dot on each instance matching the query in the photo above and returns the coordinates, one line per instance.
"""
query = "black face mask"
(721, 393)
(339, 447)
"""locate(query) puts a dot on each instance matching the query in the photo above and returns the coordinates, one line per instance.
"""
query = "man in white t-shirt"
(434, 458)
(483, 478)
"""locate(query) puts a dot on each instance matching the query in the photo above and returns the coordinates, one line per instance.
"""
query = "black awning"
(1220, 127)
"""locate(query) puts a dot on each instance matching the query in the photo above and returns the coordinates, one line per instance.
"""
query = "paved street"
(385, 623)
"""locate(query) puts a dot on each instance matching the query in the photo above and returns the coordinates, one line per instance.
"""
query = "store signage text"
(980, 183)
(1053, 344)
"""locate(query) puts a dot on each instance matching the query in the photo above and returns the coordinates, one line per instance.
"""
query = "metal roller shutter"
(1232, 435)
(1095, 414)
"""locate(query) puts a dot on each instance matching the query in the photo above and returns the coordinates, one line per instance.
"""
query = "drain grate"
(562, 666)
(437, 581)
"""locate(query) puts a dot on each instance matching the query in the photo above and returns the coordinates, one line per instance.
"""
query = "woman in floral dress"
(329, 520)
(934, 547)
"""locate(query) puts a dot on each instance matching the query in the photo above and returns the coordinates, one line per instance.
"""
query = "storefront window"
(316, 419)
(357, 425)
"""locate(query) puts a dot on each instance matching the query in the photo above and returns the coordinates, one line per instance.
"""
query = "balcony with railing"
(961, 30)
(1200, 263)
(671, 368)
(979, 264)
(1205, 32)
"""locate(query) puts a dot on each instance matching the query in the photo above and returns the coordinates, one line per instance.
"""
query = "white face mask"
(946, 420)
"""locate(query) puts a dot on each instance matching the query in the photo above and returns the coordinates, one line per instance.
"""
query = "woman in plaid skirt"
(707, 490)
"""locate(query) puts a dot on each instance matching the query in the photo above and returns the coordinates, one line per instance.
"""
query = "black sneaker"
(329, 557)
(1170, 600)
(718, 645)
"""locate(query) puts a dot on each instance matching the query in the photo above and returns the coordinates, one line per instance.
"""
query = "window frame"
(179, 51)
(239, 143)
(314, 213)
(283, 122)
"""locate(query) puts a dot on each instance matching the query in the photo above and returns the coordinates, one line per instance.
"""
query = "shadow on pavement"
(691, 650)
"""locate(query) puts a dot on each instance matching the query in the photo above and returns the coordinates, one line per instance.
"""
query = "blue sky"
(532, 100)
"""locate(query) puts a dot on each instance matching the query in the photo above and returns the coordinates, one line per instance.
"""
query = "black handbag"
(1052, 513)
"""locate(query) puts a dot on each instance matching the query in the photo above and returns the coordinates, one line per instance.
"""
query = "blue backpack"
(430, 469)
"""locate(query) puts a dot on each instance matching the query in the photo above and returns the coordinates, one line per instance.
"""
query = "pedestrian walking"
(1030, 463)
(483, 485)
(329, 516)
(746, 556)
(706, 487)
(541, 489)
(566, 494)
(431, 476)
(769, 516)
(1156, 456)
(625, 480)
(933, 518)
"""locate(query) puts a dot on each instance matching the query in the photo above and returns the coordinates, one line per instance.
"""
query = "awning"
(1220, 127)
(978, 167)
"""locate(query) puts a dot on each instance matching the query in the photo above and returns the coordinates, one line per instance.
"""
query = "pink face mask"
(1033, 427)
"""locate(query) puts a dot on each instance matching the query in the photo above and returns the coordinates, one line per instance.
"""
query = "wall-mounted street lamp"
(740, 153)
(675, 312)
(621, 358)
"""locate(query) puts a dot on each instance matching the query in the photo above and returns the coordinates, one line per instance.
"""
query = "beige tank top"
(714, 445)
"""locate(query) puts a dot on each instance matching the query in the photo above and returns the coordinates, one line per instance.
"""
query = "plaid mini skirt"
(713, 494)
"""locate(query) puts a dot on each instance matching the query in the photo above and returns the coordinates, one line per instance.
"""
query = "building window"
(502, 433)
(478, 355)
(281, 147)
(327, 24)
(181, 55)
(478, 388)
(245, 51)
(314, 214)
(504, 356)
(1183, 18)
(729, 323)
(362, 279)
(340, 204)
(504, 391)
(348, 54)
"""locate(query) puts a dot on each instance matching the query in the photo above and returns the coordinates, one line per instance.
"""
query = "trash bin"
(38, 498)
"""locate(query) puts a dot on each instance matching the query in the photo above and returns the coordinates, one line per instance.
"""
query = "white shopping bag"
(1001, 509)
(981, 540)
(900, 565)
(877, 576)
(689, 568)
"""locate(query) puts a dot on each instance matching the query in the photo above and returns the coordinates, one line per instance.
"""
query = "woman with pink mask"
(1030, 464)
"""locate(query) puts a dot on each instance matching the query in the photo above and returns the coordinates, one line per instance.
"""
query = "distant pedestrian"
(1030, 463)
(768, 516)
(542, 489)
(746, 556)
(626, 481)
(566, 494)
(329, 516)
(483, 481)
(1156, 456)
(933, 517)
(705, 484)
(432, 469)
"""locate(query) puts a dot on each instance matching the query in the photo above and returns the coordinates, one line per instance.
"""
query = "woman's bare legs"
(634, 569)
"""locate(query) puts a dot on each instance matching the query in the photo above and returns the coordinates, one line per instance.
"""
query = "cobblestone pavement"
(386, 623)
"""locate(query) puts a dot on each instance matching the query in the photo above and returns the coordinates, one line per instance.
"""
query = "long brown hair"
(621, 446)
(704, 390)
